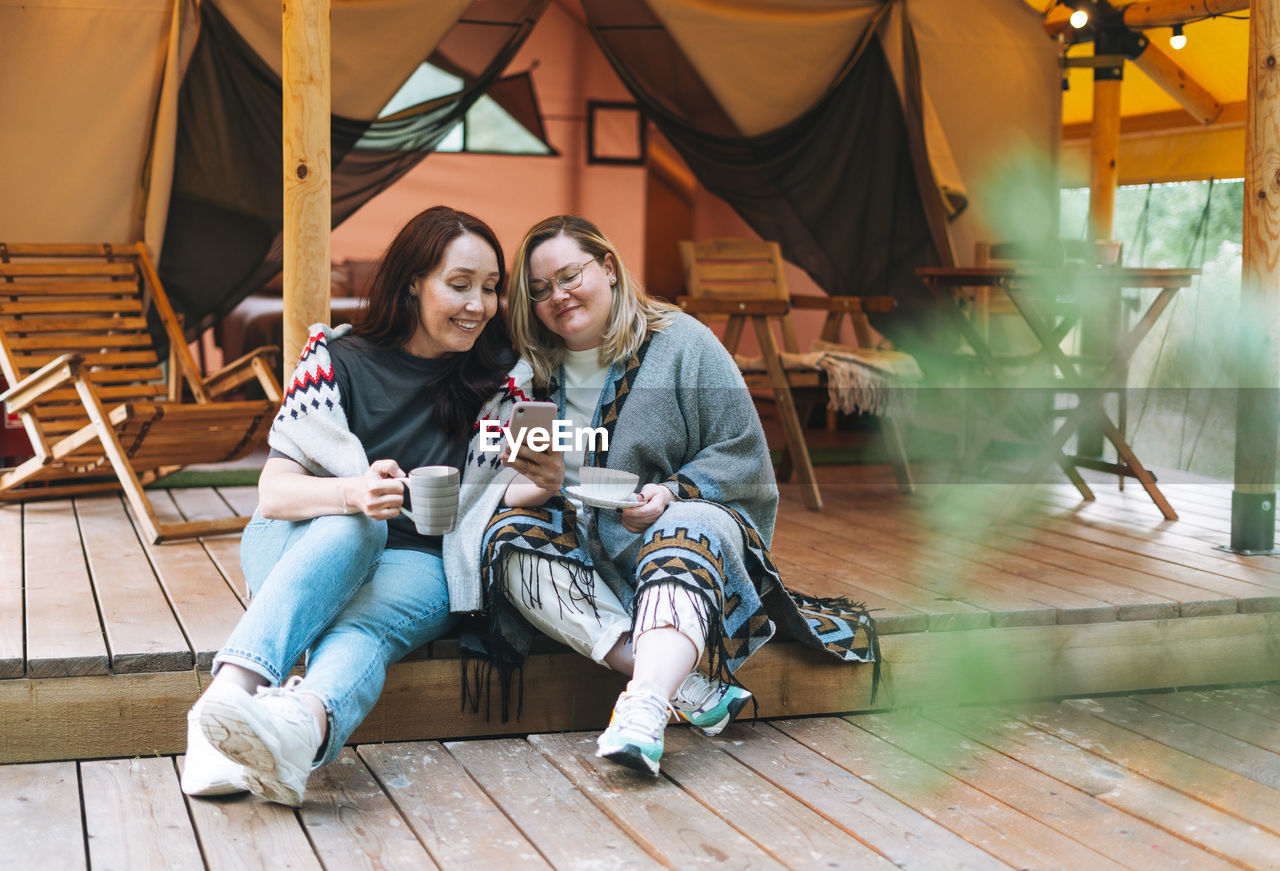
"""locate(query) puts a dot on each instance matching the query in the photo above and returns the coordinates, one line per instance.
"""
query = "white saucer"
(596, 502)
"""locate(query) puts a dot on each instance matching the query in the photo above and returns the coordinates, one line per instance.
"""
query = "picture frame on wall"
(615, 133)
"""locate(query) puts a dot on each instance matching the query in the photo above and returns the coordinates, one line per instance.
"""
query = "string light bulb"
(1179, 39)
(1079, 18)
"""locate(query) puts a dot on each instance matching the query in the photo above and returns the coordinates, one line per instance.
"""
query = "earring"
(613, 279)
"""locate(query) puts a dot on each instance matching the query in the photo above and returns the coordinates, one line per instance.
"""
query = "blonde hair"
(632, 316)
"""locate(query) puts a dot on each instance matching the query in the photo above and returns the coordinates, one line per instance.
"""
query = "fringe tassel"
(649, 605)
(489, 650)
(858, 612)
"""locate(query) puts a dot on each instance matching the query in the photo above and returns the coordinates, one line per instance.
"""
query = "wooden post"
(1104, 171)
(1253, 501)
(1098, 323)
(307, 199)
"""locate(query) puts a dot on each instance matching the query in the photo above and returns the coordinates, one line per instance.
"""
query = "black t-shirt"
(391, 409)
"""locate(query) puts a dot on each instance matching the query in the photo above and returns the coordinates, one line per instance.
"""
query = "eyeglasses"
(568, 278)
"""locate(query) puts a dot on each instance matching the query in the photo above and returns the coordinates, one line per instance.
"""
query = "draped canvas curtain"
(790, 112)
(223, 236)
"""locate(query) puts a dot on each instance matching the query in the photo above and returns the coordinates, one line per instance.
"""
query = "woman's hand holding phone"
(544, 469)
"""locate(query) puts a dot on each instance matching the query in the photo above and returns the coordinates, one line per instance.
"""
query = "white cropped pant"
(562, 615)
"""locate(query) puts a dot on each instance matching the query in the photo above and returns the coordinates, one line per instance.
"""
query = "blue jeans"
(328, 587)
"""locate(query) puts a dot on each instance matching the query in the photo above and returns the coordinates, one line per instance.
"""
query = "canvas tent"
(843, 129)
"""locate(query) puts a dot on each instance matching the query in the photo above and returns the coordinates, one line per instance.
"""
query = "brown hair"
(390, 315)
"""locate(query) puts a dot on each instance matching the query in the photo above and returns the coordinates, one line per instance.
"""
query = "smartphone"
(528, 418)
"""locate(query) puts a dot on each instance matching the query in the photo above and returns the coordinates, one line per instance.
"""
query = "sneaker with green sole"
(708, 705)
(634, 736)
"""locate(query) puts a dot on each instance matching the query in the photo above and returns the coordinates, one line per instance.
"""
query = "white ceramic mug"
(431, 499)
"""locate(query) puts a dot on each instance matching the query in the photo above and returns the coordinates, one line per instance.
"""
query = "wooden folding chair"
(87, 383)
(743, 279)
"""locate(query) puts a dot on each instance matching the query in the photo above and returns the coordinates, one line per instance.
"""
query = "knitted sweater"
(311, 427)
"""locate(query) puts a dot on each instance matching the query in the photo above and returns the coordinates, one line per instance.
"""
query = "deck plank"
(1074, 813)
(1178, 814)
(206, 503)
(780, 823)
(1132, 603)
(64, 635)
(238, 833)
(651, 809)
(1225, 790)
(142, 634)
(1046, 565)
(1197, 593)
(891, 617)
(1208, 744)
(226, 551)
(1008, 574)
(544, 805)
(243, 500)
(1165, 541)
(797, 542)
(1255, 700)
(346, 813)
(1217, 712)
(1008, 834)
(1141, 573)
(459, 825)
(135, 818)
(12, 661)
(901, 834)
(1260, 590)
(944, 578)
(40, 806)
(206, 606)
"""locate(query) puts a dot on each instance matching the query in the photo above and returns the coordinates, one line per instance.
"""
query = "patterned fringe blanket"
(866, 381)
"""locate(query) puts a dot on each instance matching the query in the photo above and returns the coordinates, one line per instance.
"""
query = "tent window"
(490, 127)
(1183, 377)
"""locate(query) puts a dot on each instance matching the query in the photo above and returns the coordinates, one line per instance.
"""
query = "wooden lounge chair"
(84, 377)
(741, 279)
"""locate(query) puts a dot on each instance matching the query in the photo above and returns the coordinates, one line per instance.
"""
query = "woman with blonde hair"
(682, 574)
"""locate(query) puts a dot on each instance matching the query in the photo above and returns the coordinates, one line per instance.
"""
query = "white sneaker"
(634, 736)
(272, 734)
(708, 704)
(205, 771)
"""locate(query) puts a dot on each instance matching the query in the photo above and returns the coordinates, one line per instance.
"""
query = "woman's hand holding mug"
(377, 493)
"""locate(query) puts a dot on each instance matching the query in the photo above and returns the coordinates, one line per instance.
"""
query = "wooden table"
(1051, 302)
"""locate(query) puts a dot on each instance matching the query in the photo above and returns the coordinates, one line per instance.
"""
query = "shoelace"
(296, 712)
(646, 713)
(696, 691)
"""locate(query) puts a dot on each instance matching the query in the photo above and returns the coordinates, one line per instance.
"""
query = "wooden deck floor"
(105, 641)
(1158, 781)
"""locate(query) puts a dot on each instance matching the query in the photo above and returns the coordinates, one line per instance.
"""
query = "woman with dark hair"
(335, 569)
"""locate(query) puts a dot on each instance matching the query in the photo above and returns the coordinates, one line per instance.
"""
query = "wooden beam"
(1190, 94)
(144, 714)
(307, 198)
(1161, 13)
(1253, 501)
(1155, 123)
